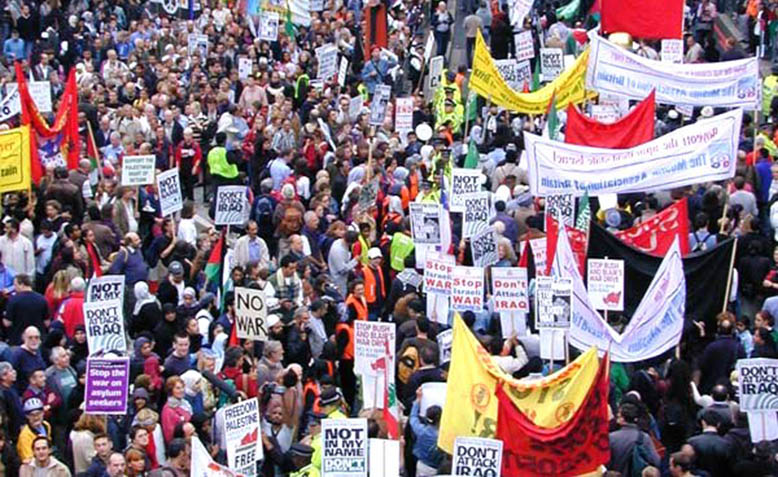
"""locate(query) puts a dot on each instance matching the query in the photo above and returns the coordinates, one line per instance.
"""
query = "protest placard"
(425, 223)
(107, 385)
(507, 69)
(436, 69)
(40, 92)
(553, 297)
(231, 205)
(317, 5)
(104, 323)
(538, 248)
(342, 71)
(616, 101)
(245, 66)
(138, 170)
(106, 288)
(344, 448)
(403, 115)
(384, 457)
(476, 213)
(484, 247)
(604, 114)
(242, 436)
(169, 186)
(372, 340)
(525, 46)
(509, 289)
(467, 289)
(605, 283)
(672, 50)
(477, 456)
(758, 384)
(432, 394)
(524, 74)
(724, 84)
(561, 206)
(552, 63)
(379, 105)
(517, 11)
(327, 55)
(428, 45)
(463, 181)
(197, 43)
(705, 151)
(250, 314)
(355, 107)
(437, 273)
(268, 26)
(445, 342)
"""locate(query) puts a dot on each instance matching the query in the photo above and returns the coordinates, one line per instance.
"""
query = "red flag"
(524, 259)
(647, 19)
(578, 446)
(578, 242)
(636, 128)
(58, 143)
(655, 235)
(375, 27)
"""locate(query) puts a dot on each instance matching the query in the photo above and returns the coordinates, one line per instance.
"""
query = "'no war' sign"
(250, 314)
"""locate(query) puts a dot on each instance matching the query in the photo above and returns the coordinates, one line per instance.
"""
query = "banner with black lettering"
(425, 223)
(476, 213)
(477, 456)
(169, 186)
(484, 247)
(467, 289)
(344, 448)
(758, 384)
(232, 207)
(104, 322)
(463, 181)
(106, 288)
(250, 314)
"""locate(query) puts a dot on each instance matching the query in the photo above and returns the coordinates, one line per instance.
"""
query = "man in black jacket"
(624, 441)
(720, 356)
(713, 451)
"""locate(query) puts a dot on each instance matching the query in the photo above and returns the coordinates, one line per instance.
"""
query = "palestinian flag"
(584, 213)
(289, 27)
(215, 261)
(552, 121)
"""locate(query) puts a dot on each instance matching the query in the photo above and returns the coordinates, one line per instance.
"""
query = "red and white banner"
(578, 241)
(655, 235)
(467, 289)
(632, 130)
(509, 289)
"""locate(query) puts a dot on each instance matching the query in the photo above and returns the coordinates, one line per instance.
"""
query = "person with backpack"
(701, 239)
(631, 449)
(262, 213)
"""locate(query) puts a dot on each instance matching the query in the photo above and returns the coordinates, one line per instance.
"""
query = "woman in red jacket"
(177, 409)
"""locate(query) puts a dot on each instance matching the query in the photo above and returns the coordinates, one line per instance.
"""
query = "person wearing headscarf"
(146, 361)
(147, 310)
(193, 390)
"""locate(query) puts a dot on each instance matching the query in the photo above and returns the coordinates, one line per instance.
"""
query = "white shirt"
(187, 232)
(46, 246)
(18, 254)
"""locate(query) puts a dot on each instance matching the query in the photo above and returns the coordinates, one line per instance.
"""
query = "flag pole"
(729, 276)
(91, 139)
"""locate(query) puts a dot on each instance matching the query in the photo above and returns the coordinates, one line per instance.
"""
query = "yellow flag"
(471, 406)
(487, 82)
(15, 159)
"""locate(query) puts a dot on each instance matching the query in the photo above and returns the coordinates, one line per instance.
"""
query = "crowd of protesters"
(322, 255)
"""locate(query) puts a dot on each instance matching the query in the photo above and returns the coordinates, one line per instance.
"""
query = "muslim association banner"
(655, 326)
(487, 82)
(632, 130)
(705, 151)
(471, 408)
(655, 235)
(578, 446)
(614, 70)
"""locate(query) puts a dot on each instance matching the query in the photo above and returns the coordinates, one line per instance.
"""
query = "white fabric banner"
(705, 151)
(654, 328)
(612, 69)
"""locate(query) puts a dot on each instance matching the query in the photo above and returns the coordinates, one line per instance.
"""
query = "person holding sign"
(376, 71)
(426, 433)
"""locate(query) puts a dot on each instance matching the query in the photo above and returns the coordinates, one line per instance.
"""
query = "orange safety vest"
(313, 387)
(348, 353)
(358, 305)
(413, 186)
(371, 287)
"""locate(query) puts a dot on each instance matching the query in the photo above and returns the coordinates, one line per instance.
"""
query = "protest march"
(372, 238)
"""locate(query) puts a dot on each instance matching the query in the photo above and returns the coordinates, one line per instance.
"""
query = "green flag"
(569, 11)
(471, 161)
(289, 27)
(536, 76)
(584, 213)
(472, 107)
(552, 120)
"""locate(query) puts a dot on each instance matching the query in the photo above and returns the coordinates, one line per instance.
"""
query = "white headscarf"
(142, 296)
